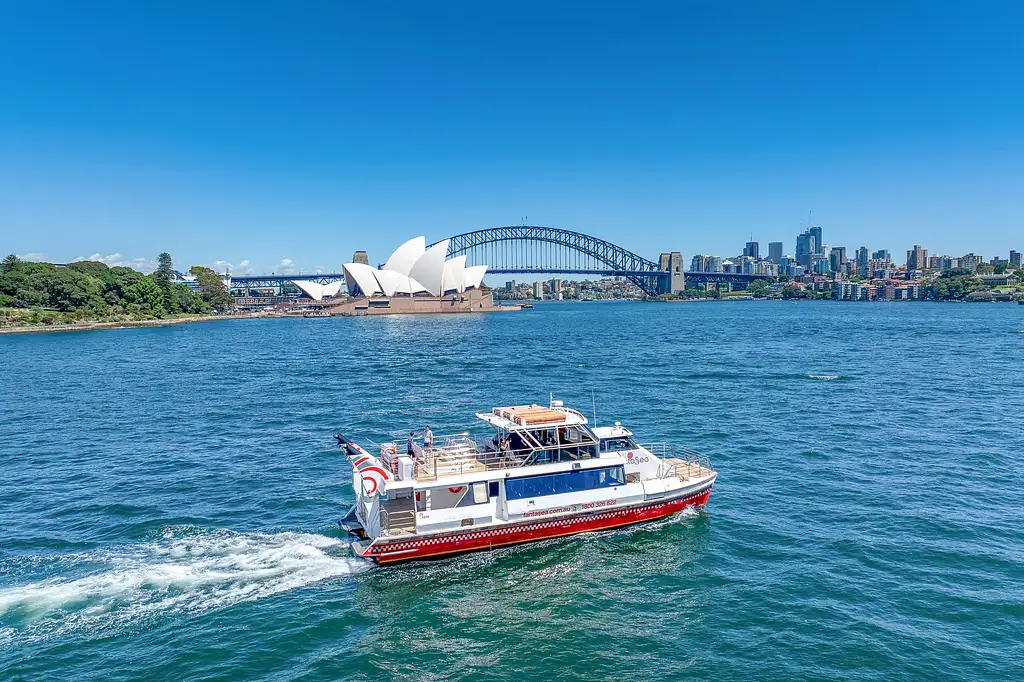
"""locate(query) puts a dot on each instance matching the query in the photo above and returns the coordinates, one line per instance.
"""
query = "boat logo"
(374, 477)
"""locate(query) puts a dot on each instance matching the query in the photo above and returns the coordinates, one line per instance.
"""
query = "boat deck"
(684, 469)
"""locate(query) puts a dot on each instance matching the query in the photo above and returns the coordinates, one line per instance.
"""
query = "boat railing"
(395, 522)
(465, 455)
(679, 462)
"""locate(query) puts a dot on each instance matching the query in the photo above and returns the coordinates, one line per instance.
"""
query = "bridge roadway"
(276, 281)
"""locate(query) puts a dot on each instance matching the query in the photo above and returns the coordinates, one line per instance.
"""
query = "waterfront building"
(845, 291)
(775, 252)
(510, 285)
(1015, 259)
(752, 249)
(414, 269)
(538, 290)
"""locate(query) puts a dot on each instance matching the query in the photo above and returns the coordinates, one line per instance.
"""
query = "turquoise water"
(168, 498)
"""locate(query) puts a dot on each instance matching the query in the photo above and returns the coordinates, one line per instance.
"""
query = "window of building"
(564, 482)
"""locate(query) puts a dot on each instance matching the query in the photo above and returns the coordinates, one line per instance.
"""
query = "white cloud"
(33, 256)
(286, 267)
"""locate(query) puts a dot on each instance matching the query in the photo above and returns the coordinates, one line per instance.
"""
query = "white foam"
(823, 377)
(185, 572)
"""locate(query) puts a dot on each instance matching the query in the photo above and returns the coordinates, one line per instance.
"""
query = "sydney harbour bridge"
(535, 250)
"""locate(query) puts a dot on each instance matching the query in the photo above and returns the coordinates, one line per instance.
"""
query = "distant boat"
(526, 305)
(317, 313)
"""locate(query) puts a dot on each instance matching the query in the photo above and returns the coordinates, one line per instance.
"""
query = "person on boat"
(341, 441)
(412, 450)
(428, 438)
(503, 447)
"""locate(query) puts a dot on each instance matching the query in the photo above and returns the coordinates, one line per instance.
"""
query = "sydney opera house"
(414, 279)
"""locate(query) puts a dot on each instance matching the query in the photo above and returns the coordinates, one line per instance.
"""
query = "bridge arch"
(531, 249)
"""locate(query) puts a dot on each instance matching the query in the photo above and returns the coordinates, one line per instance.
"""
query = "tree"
(211, 288)
(164, 278)
(147, 293)
(9, 262)
(757, 288)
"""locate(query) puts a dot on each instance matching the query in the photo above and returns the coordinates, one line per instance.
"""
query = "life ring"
(457, 490)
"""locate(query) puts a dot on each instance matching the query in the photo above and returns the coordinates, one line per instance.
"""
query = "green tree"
(211, 288)
(757, 288)
(164, 278)
(9, 262)
(147, 293)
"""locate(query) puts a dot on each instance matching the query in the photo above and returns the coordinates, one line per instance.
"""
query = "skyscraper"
(819, 243)
(775, 251)
(806, 247)
(1015, 258)
(917, 258)
(881, 253)
(752, 249)
(837, 258)
(862, 262)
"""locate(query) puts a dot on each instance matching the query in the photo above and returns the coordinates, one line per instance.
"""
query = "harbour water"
(168, 498)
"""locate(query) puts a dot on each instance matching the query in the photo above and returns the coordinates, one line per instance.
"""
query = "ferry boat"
(544, 472)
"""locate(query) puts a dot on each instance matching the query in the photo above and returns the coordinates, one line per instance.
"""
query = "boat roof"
(519, 417)
(611, 431)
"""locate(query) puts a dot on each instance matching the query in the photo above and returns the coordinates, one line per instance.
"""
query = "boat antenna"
(593, 400)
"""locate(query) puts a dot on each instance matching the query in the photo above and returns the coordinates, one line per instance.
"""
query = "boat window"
(494, 489)
(564, 482)
(617, 443)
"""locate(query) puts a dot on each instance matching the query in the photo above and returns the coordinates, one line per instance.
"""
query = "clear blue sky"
(259, 132)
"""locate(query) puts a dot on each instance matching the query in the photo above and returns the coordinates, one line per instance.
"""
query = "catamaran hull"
(401, 549)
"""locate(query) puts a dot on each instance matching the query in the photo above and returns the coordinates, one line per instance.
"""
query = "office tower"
(775, 252)
(753, 250)
(819, 243)
(837, 258)
(1015, 258)
(862, 261)
(881, 254)
(805, 249)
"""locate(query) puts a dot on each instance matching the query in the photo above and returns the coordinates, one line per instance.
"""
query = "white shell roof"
(429, 268)
(473, 276)
(454, 275)
(363, 276)
(317, 291)
(405, 256)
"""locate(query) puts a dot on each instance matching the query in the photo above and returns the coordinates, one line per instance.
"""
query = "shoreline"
(127, 324)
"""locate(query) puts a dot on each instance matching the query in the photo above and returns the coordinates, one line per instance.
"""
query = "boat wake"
(824, 377)
(186, 571)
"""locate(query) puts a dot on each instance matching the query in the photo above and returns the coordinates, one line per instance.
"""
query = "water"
(168, 498)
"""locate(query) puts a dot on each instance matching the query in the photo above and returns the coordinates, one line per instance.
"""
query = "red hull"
(391, 551)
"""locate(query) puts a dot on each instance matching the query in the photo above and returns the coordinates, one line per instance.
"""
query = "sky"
(281, 137)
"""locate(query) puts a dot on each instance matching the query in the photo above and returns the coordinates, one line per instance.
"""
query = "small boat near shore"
(544, 472)
(317, 313)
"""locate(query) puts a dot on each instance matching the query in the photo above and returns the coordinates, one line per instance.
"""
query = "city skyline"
(257, 138)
